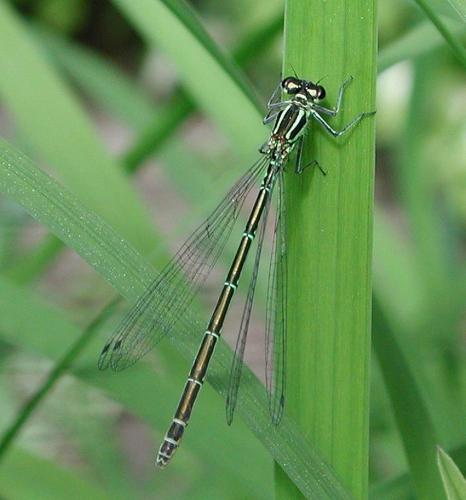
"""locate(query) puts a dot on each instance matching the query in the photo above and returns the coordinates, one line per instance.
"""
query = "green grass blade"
(330, 241)
(24, 476)
(417, 41)
(107, 85)
(455, 45)
(58, 370)
(33, 264)
(206, 73)
(453, 481)
(440, 271)
(400, 487)
(101, 80)
(113, 90)
(415, 185)
(258, 40)
(124, 268)
(56, 129)
(412, 416)
(395, 276)
(460, 8)
(172, 115)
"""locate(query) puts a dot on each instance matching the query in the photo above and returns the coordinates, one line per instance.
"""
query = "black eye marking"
(291, 85)
(321, 92)
(315, 91)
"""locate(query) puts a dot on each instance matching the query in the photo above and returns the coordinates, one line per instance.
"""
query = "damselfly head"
(294, 86)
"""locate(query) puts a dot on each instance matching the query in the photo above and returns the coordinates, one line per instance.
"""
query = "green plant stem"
(329, 221)
(58, 370)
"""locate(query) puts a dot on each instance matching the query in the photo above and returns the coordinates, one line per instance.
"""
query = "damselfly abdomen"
(158, 312)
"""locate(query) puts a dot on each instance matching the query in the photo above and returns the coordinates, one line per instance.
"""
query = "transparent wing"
(275, 324)
(237, 364)
(157, 311)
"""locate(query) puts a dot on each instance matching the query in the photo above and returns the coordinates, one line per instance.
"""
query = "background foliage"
(145, 112)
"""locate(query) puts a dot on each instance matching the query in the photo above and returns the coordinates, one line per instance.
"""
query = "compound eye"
(320, 92)
(291, 85)
(315, 92)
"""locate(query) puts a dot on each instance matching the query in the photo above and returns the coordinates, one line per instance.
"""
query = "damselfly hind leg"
(312, 163)
(299, 167)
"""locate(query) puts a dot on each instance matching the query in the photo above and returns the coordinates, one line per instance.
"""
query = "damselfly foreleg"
(344, 130)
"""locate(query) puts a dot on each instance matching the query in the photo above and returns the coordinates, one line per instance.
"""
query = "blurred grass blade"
(453, 481)
(121, 96)
(206, 73)
(82, 230)
(111, 89)
(122, 266)
(439, 269)
(56, 129)
(416, 41)
(395, 275)
(460, 8)
(455, 45)
(417, 191)
(34, 263)
(58, 370)
(412, 416)
(174, 113)
(106, 84)
(397, 488)
(24, 476)
(401, 487)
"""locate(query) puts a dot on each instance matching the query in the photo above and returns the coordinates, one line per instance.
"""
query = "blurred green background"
(88, 94)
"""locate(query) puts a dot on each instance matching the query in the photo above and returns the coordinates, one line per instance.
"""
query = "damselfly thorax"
(161, 309)
(290, 125)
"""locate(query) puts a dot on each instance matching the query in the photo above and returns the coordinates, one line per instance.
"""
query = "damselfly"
(159, 311)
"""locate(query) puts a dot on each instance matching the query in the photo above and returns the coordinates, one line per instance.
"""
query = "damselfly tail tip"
(161, 461)
(166, 452)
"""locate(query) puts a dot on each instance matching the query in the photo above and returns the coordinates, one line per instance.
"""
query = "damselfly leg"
(338, 133)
